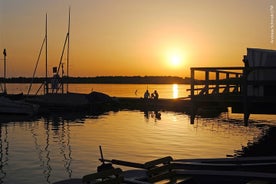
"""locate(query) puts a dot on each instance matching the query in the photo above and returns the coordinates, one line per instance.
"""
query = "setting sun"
(122, 38)
(175, 58)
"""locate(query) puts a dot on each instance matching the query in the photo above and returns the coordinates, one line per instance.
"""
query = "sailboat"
(10, 106)
(56, 95)
(14, 107)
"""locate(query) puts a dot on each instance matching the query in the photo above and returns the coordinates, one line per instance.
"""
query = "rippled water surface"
(57, 147)
(117, 90)
(61, 146)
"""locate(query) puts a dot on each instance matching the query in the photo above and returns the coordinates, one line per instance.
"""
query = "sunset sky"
(134, 37)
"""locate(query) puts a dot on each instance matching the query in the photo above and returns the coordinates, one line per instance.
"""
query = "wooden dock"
(235, 87)
(177, 105)
(214, 89)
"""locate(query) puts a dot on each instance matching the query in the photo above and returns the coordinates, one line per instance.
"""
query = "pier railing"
(253, 89)
(219, 80)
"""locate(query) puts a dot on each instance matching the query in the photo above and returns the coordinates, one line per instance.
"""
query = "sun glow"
(175, 58)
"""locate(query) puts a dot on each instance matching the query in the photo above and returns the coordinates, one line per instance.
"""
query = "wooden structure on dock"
(249, 90)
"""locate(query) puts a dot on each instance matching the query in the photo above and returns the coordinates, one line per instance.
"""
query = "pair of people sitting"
(154, 95)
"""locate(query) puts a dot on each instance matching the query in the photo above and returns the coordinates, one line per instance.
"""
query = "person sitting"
(156, 95)
(146, 94)
(152, 96)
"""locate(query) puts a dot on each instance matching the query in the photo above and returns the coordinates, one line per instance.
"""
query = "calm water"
(61, 146)
(119, 90)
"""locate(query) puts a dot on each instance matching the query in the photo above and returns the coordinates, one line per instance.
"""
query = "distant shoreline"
(106, 80)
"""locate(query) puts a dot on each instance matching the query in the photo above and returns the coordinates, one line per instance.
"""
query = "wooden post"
(207, 81)
(245, 97)
(217, 82)
(193, 106)
(192, 83)
(238, 86)
(227, 85)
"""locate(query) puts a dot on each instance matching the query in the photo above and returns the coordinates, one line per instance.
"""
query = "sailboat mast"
(5, 68)
(68, 44)
(46, 59)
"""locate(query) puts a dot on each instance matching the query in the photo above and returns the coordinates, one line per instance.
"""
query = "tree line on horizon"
(106, 80)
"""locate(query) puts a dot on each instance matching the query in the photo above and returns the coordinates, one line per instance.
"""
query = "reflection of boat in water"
(54, 140)
(4, 151)
(192, 171)
(13, 107)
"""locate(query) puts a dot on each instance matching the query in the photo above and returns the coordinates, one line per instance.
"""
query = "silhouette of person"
(146, 94)
(156, 95)
(152, 96)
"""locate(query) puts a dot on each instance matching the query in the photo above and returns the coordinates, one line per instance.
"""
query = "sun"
(175, 57)
(175, 60)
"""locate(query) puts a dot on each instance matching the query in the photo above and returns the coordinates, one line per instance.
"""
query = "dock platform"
(177, 105)
(214, 89)
(240, 88)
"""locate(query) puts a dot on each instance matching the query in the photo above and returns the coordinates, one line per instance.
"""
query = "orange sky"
(134, 37)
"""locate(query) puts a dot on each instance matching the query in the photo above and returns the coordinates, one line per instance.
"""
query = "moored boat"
(94, 101)
(14, 107)
(176, 171)
(267, 163)
(56, 95)
(12, 104)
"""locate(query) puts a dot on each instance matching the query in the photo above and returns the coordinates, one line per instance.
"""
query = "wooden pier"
(240, 88)
(214, 89)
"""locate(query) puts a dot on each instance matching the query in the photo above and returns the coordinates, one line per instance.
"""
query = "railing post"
(238, 87)
(207, 81)
(246, 113)
(217, 82)
(192, 83)
(193, 105)
(227, 85)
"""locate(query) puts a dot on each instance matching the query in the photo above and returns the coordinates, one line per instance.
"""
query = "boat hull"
(76, 102)
(12, 107)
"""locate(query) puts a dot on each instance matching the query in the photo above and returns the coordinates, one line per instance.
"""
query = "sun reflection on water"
(175, 90)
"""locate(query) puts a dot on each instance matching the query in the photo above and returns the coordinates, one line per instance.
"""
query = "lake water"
(60, 146)
(118, 90)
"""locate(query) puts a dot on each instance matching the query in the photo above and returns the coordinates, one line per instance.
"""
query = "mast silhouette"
(69, 22)
(67, 39)
(46, 90)
(57, 69)
(45, 84)
(5, 68)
